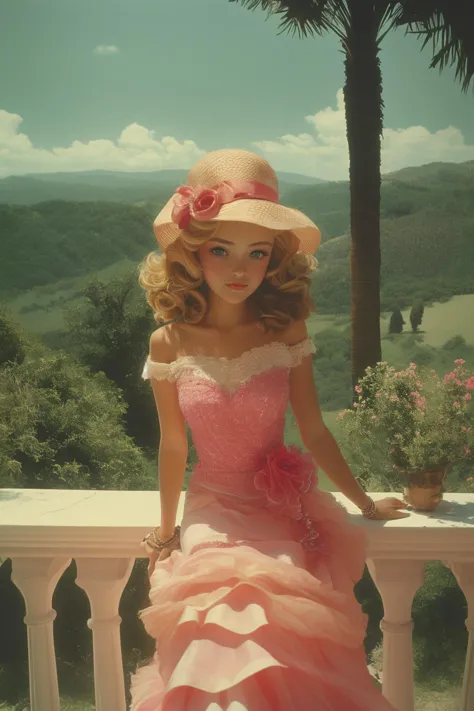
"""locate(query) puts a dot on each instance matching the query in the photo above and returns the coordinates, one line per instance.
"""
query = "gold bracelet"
(155, 542)
(370, 511)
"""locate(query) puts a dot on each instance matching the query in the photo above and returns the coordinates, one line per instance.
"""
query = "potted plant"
(413, 424)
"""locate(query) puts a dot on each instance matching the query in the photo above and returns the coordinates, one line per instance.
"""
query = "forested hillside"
(427, 234)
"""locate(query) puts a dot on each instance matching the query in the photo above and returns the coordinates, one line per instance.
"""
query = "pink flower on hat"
(201, 203)
(206, 204)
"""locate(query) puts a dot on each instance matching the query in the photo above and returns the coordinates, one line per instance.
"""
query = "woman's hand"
(155, 556)
(389, 508)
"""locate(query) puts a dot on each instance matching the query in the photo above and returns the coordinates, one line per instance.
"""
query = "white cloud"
(136, 149)
(323, 153)
(106, 50)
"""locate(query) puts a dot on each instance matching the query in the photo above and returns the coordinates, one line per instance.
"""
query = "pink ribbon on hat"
(204, 203)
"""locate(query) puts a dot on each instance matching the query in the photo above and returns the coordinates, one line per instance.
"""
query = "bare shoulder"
(295, 332)
(164, 344)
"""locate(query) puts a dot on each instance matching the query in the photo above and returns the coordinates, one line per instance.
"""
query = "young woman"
(251, 599)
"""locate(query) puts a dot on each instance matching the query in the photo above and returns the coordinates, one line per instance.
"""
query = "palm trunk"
(363, 99)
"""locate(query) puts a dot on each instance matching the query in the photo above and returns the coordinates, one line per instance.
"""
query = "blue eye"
(221, 252)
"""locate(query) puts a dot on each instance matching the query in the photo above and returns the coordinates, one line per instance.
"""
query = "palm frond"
(265, 5)
(447, 25)
(305, 17)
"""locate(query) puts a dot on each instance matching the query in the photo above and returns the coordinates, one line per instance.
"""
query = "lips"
(236, 285)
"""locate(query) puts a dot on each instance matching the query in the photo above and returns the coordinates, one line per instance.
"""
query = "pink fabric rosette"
(286, 475)
(200, 203)
(205, 203)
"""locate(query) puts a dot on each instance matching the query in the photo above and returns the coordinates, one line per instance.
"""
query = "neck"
(226, 317)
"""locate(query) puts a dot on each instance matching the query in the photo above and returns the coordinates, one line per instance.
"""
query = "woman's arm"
(318, 439)
(173, 448)
(320, 442)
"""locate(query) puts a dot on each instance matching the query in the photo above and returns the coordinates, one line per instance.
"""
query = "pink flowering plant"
(409, 421)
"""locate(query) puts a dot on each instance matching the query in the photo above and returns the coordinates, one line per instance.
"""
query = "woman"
(251, 600)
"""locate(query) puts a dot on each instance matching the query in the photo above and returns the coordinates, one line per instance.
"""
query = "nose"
(238, 267)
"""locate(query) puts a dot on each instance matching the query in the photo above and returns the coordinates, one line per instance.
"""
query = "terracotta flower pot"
(424, 489)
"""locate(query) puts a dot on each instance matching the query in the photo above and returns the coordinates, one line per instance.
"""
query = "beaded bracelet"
(153, 540)
(370, 511)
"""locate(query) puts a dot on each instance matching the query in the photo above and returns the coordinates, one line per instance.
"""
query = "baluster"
(36, 579)
(397, 582)
(103, 580)
(464, 574)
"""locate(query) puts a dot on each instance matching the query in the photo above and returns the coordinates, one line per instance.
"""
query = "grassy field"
(443, 321)
(41, 310)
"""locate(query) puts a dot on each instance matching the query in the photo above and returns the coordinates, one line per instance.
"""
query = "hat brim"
(267, 214)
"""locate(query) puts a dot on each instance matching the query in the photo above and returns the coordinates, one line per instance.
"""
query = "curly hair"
(175, 287)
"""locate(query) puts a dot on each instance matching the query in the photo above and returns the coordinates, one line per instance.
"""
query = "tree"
(361, 26)
(416, 316)
(396, 322)
(110, 334)
(12, 346)
(61, 427)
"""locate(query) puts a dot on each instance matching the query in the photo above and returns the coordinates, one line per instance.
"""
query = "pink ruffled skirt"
(246, 618)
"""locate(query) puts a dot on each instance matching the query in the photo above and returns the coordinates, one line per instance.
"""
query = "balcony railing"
(43, 530)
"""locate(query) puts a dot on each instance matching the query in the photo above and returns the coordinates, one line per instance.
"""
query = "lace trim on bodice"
(231, 372)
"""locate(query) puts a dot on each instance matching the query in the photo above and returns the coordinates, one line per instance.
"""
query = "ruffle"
(238, 630)
(212, 581)
(232, 372)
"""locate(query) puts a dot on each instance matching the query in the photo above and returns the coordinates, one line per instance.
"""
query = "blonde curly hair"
(175, 287)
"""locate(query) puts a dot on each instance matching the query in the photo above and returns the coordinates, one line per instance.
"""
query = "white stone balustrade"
(43, 530)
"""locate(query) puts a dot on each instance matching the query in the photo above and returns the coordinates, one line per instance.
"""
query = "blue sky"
(151, 84)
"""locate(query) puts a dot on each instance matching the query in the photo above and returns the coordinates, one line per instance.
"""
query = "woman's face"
(235, 260)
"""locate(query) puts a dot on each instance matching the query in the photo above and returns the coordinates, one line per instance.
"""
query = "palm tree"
(361, 25)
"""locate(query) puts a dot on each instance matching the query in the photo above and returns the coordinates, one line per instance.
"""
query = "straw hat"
(233, 186)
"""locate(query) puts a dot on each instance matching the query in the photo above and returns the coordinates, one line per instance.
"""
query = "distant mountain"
(427, 235)
(113, 178)
(127, 188)
(104, 185)
(445, 186)
(433, 175)
(297, 179)
(57, 240)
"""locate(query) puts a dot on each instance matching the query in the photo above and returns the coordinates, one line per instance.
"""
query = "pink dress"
(257, 610)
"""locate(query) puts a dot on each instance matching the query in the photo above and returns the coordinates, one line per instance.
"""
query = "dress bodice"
(235, 407)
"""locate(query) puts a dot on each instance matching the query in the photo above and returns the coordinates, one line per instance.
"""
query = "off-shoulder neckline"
(226, 359)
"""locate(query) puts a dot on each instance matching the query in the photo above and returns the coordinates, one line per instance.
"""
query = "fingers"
(391, 508)
(399, 503)
(397, 513)
(151, 564)
(394, 502)
(400, 514)
(157, 557)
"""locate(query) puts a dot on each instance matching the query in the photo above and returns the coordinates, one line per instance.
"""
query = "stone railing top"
(110, 523)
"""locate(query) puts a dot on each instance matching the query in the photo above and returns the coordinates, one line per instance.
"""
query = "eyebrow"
(226, 241)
